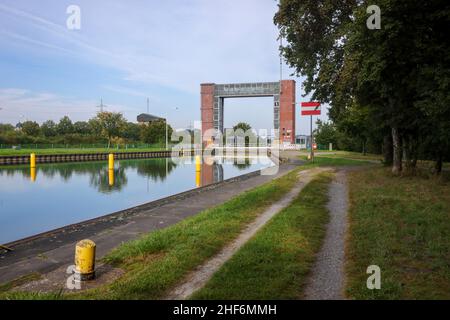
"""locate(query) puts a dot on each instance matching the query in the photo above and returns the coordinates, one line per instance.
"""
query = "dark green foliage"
(395, 80)
(106, 126)
(155, 132)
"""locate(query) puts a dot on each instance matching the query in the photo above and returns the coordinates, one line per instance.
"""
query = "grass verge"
(325, 160)
(275, 263)
(403, 226)
(157, 261)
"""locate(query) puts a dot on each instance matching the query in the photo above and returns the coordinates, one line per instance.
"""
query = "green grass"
(275, 263)
(323, 161)
(355, 155)
(21, 152)
(403, 226)
(344, 154)
(159, 260)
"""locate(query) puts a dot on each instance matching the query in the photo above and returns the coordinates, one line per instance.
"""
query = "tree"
(246, 132)
(94, 126)
(155, 132)
(65, 126)
(6, 127)
(111, 124)
(315, 34)
(49, 128)
(243, 126)
(30, 128)
(131, 131)
(325, 133)
(392, 75)
(81, 127)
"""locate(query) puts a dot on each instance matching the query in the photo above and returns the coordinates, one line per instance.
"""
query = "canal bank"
(55, 249)
(82, 157)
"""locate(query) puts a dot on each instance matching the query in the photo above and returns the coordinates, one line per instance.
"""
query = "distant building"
(303, 140)
(146, 118)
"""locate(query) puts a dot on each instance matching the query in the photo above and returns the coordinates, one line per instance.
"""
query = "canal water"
(54, 195)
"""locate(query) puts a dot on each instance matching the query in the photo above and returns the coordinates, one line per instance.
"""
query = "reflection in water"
(107, 181)
(198, 179)
(111, 177)
(66, 193)
(103, 179)
(156, 169)
(242, 164)
(33, 174)
(211, 173)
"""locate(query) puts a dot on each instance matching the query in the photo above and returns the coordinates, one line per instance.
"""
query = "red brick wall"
(207, 103)
(287, 111)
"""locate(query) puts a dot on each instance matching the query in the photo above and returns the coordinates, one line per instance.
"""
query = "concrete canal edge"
(78, 157)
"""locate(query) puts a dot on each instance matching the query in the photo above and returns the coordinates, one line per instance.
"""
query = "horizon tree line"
(106, 127)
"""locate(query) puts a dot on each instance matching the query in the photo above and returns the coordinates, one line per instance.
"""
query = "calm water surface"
(55, 195)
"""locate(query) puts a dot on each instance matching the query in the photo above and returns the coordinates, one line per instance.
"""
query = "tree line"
(388, 88)
(105, 127)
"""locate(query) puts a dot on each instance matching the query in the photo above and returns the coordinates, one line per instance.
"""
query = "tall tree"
(325, 133)
(155, 132)
(49, 128)
(81, 127)
(111, 124)
(243, 126)
(65, 126)
(5, 127)
(131, 131)
(349, 65)
(30, 128)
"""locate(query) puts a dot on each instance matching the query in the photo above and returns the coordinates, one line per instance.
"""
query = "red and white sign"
(310, 108)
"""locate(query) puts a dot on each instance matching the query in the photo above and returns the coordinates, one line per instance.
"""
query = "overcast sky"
(127, 51)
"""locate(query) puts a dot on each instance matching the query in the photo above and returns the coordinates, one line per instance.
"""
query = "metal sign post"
(312, 141)
(310, 109)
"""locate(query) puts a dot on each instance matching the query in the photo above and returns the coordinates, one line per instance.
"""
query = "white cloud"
(21, 104)
(177, 45)
(161, 49)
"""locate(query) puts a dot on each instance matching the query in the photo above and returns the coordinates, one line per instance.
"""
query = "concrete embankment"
(55, 158)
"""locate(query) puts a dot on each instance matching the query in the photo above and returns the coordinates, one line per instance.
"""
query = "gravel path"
(198, 278)
(327, 278)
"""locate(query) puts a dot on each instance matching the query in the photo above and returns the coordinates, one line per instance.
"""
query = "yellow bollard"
(85, 260)
(198, 163)
(33, 174)
(111, 161)
(33, 160)
(111, 177)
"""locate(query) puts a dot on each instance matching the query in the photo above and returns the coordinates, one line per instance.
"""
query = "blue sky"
(127, 51)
